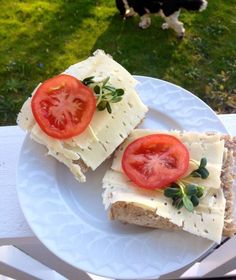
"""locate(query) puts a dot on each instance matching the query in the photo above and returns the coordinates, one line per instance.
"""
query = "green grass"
(40, 39)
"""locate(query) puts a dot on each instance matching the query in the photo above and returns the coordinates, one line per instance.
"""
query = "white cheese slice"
(106, 131)
(207, 220)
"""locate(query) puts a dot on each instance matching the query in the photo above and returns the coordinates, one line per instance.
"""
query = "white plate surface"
(69, 217)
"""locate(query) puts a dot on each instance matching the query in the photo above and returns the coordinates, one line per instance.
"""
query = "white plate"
(69, 217)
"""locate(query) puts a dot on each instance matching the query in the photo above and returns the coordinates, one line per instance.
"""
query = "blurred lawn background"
(39, 39)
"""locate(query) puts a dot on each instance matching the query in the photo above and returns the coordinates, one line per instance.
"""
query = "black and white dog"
(168, 9)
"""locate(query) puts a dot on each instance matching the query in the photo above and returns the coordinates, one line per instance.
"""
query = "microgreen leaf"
(178, 203)
(97, 89)
(187, 203)
(108, 106)
(203, 162)
(105, 81)
(172, 192)
(102, 106)
(195, 200)
(89, 80)
(104, 93)
(120, 91)
(204, 173)
(110, 88)
(116, 99)
(200, 191)
(190, 189)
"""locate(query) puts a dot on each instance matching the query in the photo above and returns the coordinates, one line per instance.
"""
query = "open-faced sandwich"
(85, 113)
(174, 180)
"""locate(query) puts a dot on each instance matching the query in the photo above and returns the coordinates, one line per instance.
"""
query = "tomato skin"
(155, 161)
(63, 106)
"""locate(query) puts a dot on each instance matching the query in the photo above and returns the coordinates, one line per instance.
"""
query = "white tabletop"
(13, 227)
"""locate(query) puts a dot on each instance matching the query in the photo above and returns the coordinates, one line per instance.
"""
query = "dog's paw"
(129, 13)
(144, 24)
(165, 25)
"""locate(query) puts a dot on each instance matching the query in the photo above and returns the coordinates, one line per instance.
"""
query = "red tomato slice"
(63, 106)
(155, 161)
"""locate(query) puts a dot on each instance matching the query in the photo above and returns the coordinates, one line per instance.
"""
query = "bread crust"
(227, 179)
(132, 213)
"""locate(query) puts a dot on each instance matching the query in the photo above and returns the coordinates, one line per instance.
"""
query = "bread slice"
(106, 131)
(211, 219)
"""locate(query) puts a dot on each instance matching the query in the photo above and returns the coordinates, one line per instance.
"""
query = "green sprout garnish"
(184, 195)
(201, 171)
(187, 195)
(105, 93)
